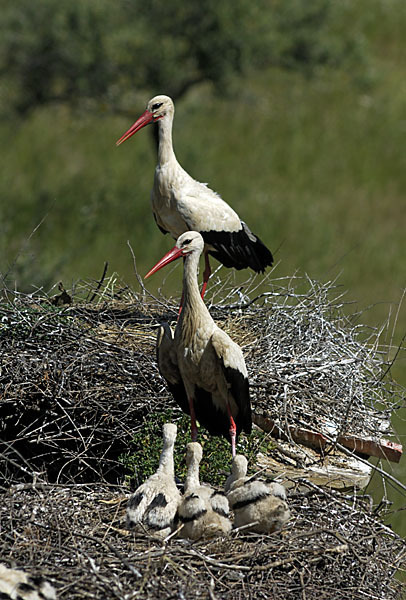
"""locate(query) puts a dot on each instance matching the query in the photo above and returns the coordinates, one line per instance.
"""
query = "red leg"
(232, 430)
(206, 273)
(193, 420)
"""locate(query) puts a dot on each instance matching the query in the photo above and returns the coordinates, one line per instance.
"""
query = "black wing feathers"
(239, 388)
(248, 501)
(159, 500)
(179, 393)
(239, 249)
(135, 500)
(209, 416)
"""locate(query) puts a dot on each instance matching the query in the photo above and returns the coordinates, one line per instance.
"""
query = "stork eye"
(186, 242)
(156, 105)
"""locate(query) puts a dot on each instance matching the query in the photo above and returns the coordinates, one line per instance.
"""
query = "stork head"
(194, 452)
(238, 473)
(169, 433)
(157, 108)
(188, 242)
(239, 467)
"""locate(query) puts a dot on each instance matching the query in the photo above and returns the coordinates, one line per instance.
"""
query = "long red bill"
(144, 119)
(168, 258)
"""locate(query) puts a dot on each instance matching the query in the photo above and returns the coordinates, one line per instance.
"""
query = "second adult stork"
(180, 203)
(205, 370)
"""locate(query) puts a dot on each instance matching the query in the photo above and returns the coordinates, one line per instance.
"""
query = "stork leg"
(193, 420)
(232, 430)
(206, 273)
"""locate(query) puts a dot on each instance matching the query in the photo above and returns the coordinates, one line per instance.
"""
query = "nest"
(79, 377)
(78, 380)
(335, 547)
(312, 364)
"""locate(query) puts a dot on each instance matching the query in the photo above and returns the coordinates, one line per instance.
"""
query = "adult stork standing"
(180, 203)
(205, 370)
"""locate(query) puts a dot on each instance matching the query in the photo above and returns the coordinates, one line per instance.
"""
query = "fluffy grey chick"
(254, 501)
(203, 511)
(155, 502)
(18, 585)
(238, 471)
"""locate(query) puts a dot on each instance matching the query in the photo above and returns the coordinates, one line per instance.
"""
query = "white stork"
(180, 203)
(258, 505)
(205, 370)
(155, 502)
(203, 512)
(19, 585)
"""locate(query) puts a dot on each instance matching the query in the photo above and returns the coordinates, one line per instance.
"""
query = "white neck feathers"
(194, 313)
(165, 150)
(166, 459)
(193, 458)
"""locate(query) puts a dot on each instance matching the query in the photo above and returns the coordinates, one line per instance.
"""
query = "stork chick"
(204, 369)
(18, 585)
(203, 511)
(255, 502)
(239, 468)
(155, 502)
(180, 203)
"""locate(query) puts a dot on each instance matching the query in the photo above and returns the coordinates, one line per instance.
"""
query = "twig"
(99, 283)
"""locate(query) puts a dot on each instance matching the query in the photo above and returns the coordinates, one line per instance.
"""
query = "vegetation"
(143, 456)
(98, 50)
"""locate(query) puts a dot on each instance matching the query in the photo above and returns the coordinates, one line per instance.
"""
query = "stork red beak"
(145, 119)
(168, 258)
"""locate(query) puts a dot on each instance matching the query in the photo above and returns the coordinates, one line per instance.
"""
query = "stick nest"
(335, 547)
(78, 380)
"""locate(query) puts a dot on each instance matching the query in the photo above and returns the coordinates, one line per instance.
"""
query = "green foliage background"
(294, 111)
(143, 455)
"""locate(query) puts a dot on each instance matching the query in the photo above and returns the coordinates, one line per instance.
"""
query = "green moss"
(141, 461)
